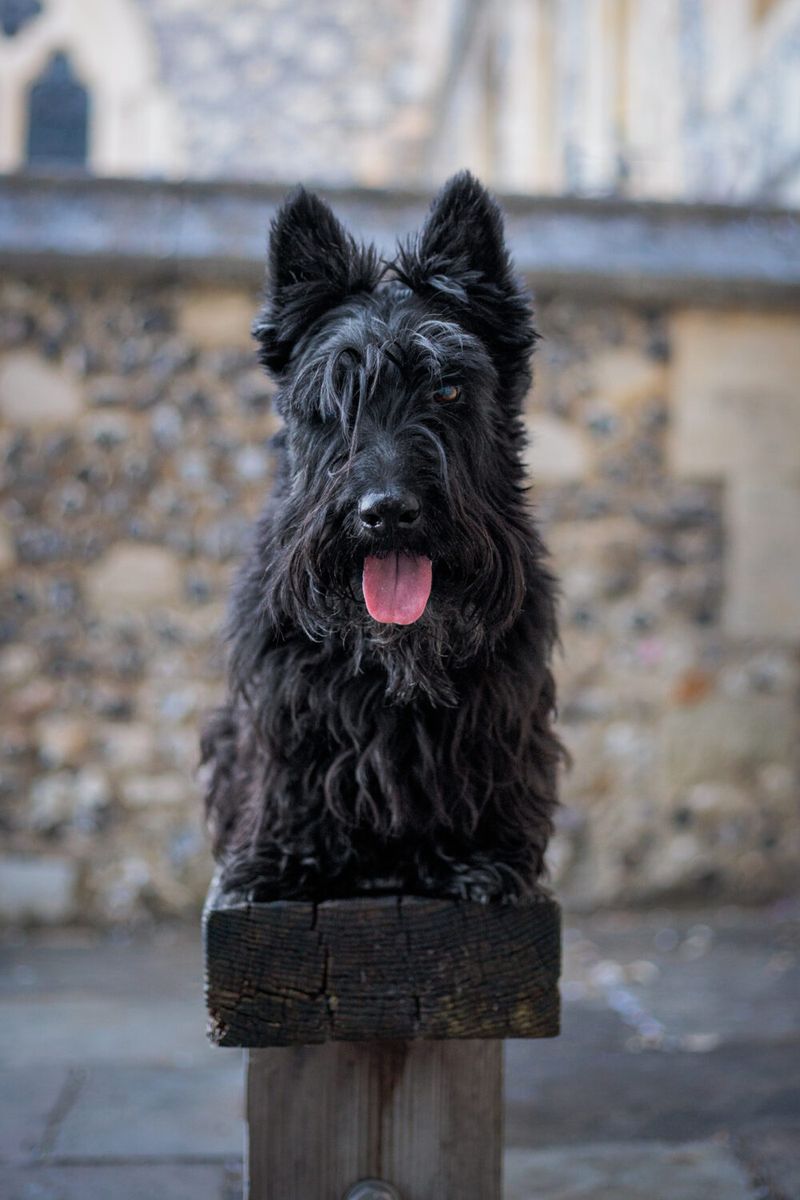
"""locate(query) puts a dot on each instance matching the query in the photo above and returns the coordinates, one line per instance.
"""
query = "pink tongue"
(396, 588)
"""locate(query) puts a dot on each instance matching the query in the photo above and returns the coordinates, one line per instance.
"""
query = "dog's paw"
(482, 882)
(478, 884)
(272, 876)
(265, 891)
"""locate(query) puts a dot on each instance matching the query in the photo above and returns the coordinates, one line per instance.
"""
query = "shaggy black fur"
(353, 755)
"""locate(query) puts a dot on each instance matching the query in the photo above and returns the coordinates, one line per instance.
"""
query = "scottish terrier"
(389, 722)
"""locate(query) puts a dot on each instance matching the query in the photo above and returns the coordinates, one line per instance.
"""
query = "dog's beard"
(456, 608)
(422, 658)
(325, 595)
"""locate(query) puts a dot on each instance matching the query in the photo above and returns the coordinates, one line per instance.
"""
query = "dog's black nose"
(381, 511)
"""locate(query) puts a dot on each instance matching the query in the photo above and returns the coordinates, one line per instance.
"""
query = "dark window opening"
(14, 14)
(58, 117)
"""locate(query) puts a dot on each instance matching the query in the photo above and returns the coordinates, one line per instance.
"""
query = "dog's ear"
(314, 264)
(460, 257)
(463, 237)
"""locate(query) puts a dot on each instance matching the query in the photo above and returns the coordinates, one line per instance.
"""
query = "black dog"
(389, 721)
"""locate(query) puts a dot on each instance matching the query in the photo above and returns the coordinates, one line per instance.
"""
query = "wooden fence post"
(374, 1028)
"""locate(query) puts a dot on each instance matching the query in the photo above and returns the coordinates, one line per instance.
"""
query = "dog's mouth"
(396, 587)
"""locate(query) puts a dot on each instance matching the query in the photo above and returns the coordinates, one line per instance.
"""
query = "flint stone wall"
(664, 450)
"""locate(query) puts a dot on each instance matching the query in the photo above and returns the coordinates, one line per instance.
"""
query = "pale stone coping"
(217, 230)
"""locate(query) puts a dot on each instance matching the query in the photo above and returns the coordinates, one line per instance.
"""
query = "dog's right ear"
(314, 264)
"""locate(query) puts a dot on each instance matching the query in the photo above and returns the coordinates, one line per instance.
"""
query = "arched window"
(16, 13)
(58, 117)
(80, 87)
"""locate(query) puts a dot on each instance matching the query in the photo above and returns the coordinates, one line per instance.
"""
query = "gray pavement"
(677, 1076)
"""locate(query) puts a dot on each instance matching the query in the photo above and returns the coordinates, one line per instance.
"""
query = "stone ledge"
(653, 252)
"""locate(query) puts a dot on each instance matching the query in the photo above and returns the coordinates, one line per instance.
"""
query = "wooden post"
(375, 1032)
(423, 1116)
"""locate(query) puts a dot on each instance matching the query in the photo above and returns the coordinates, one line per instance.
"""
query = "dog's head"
(402, 516)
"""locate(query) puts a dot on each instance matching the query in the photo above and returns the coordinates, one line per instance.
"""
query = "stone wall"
(665, 454)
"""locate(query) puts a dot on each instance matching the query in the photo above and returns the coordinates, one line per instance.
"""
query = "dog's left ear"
(314, 264)
(463, 237)
(461, 257)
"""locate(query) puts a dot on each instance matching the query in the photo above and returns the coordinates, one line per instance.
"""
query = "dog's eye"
(447, 394)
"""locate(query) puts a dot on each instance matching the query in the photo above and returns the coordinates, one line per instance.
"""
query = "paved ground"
(677, 1076)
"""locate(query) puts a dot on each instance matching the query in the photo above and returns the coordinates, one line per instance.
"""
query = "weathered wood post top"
(375, 1030)
(294, 973)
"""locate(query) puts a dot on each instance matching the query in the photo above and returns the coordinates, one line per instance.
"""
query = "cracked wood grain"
(294, 973)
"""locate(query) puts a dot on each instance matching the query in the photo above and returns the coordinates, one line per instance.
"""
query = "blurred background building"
(669, 99)
(145, 144)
